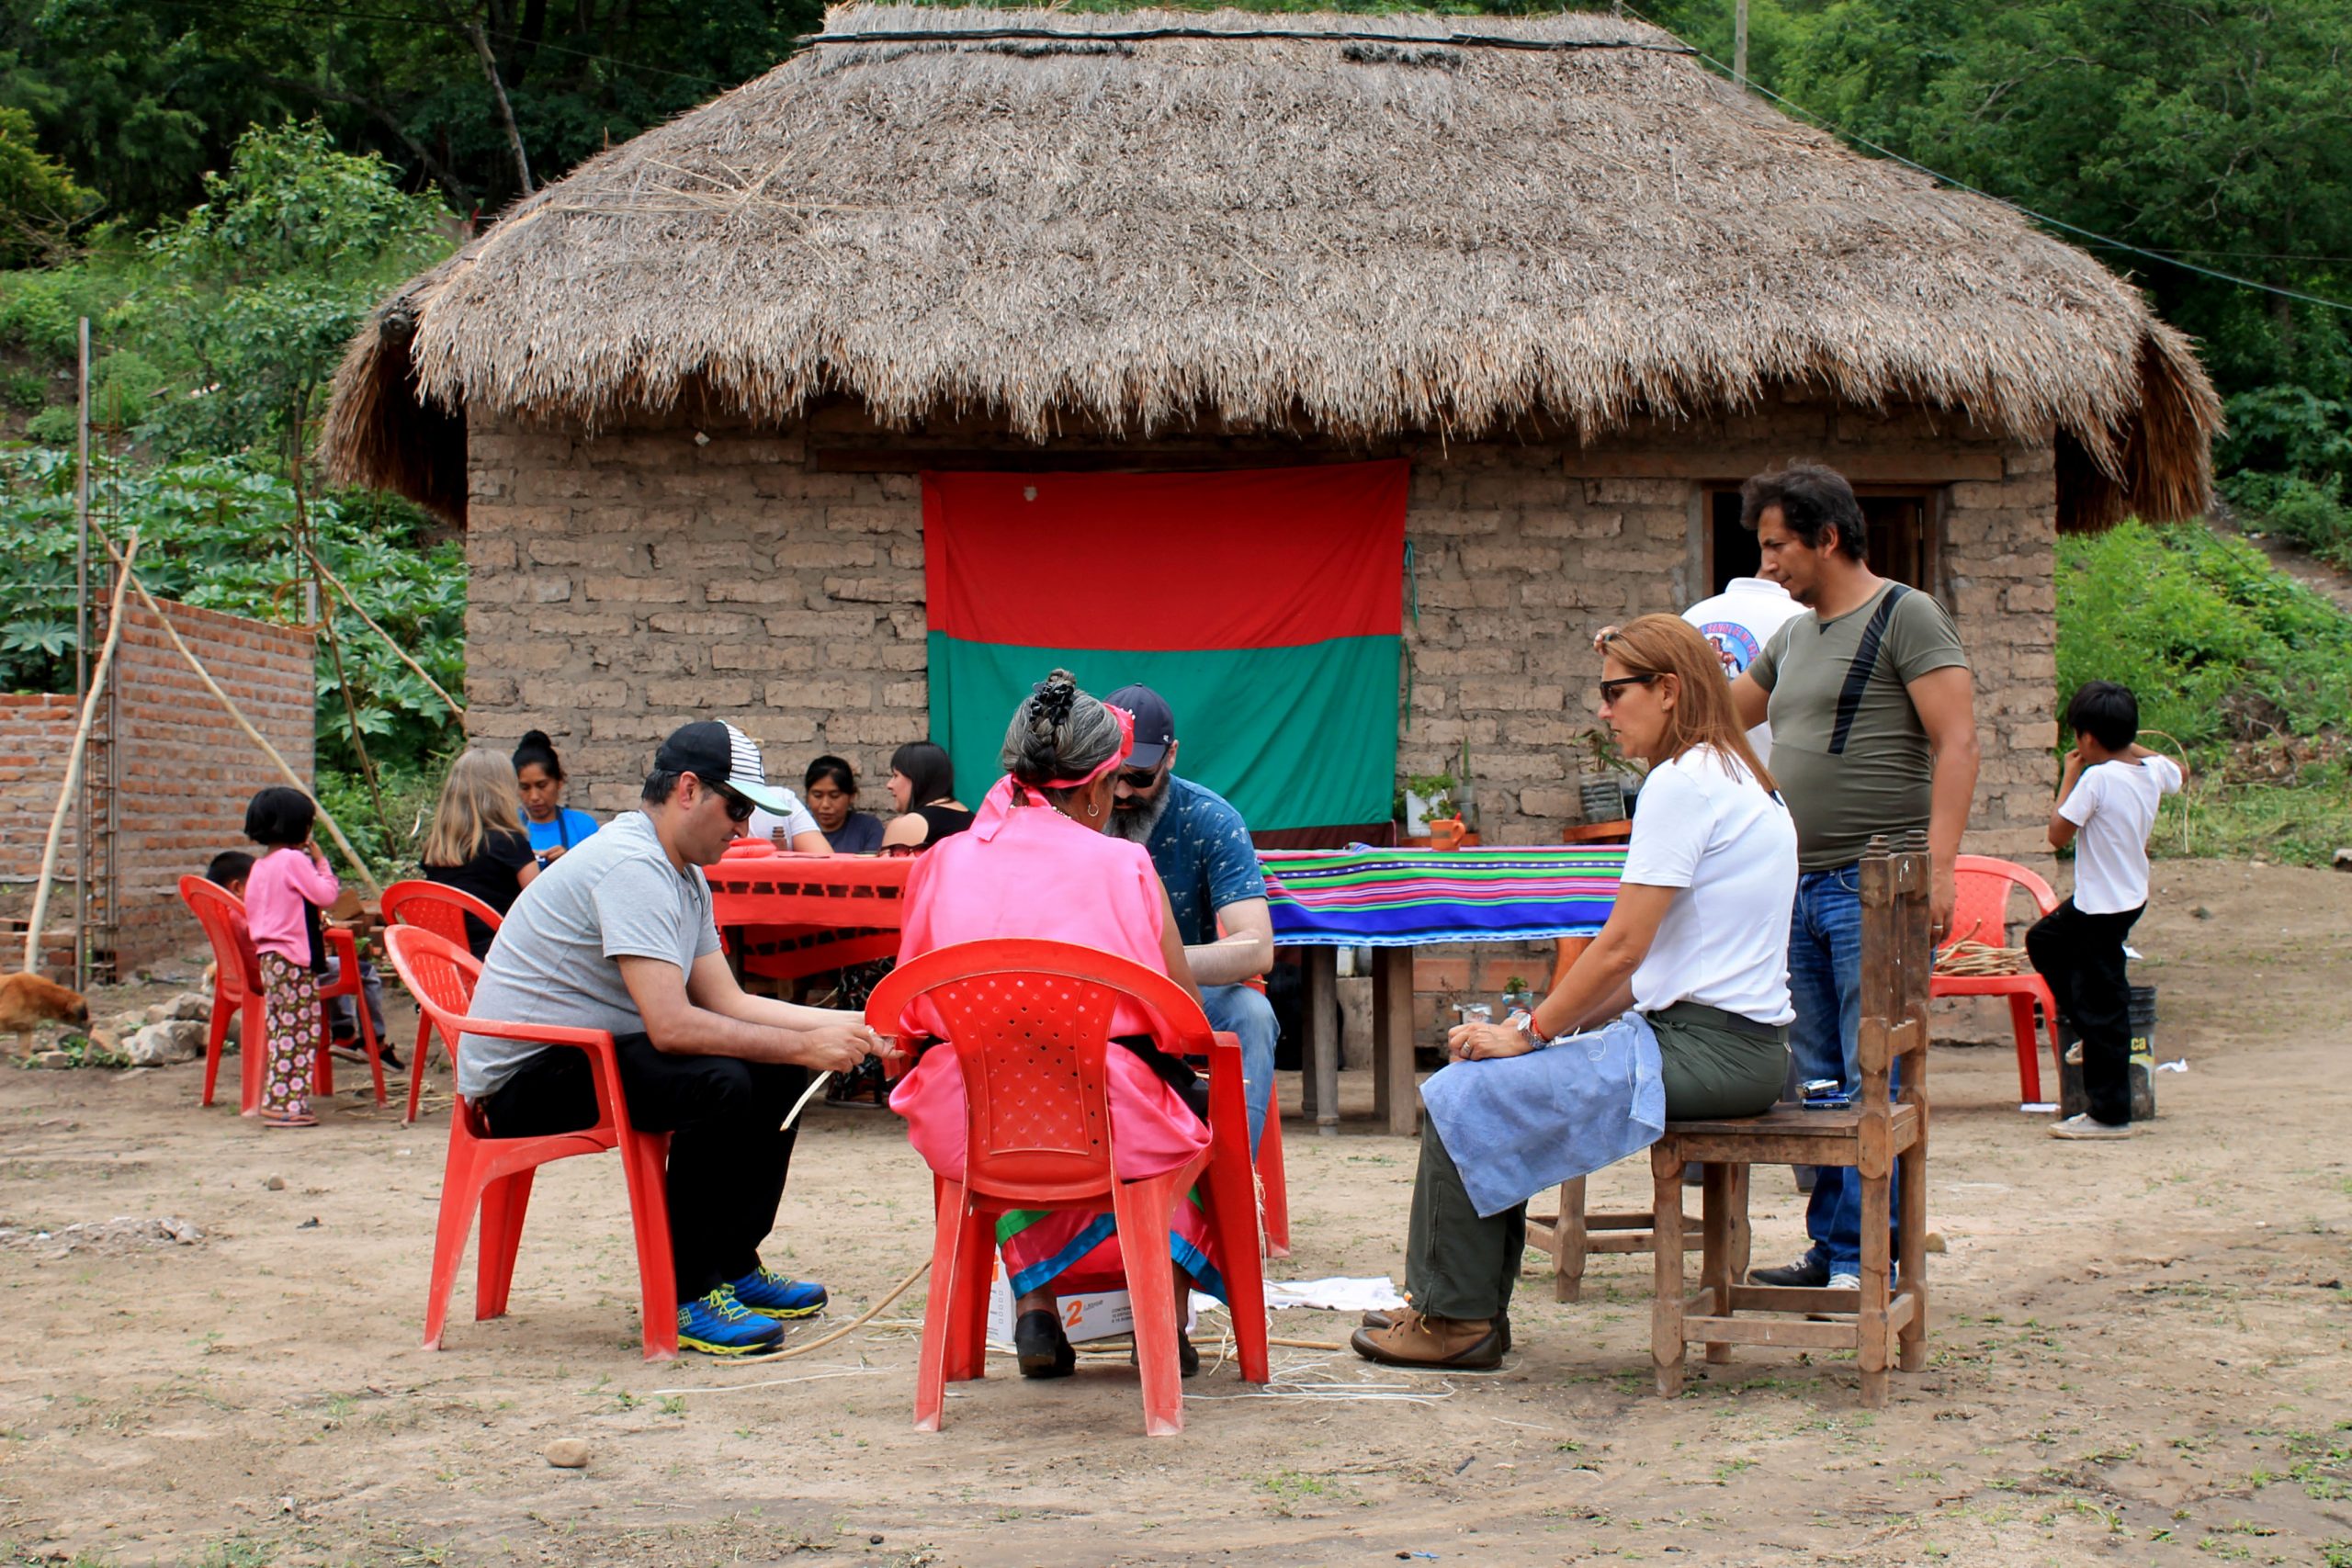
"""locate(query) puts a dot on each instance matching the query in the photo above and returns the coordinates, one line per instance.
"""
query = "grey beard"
(1136, 825)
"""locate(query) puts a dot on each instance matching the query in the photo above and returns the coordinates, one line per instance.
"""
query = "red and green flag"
(1262, 603)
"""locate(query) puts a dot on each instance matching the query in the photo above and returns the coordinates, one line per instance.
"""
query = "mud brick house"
(689, 401)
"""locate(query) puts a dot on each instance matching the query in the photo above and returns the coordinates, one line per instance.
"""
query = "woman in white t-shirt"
(1679, 1008)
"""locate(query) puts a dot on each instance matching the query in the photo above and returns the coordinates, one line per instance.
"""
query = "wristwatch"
(1525, 1023)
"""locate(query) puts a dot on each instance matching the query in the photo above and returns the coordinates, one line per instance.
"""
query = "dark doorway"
(1902, 532)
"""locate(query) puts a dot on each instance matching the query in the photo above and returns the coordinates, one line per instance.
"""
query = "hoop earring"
(1095, 810)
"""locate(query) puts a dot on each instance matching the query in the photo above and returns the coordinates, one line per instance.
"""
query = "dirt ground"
(2142, 1353)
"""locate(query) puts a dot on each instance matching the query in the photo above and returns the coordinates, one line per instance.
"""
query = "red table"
(787, 915)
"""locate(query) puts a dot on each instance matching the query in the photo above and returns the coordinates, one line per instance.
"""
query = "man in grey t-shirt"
(617, 935)
(1873, 731)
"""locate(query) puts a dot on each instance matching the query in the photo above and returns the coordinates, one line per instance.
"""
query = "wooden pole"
(255, 735)
(1739, 43)
(390, 642)
(82, 821)
(66, 796)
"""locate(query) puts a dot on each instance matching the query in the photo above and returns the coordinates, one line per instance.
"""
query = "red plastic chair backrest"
(442, 910)
(1981, 898)
(223, 914)
(1031, 1023)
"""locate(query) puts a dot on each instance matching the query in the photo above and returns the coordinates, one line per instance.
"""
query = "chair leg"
(1743, 1234)
(322, 1066)
(1569, 1243)
(967, 1322)
(1274, 1180)
(2029, 1047)
(1142, 1209)
(931, 1360)
(252, 1056)
(373, 1046)
(215, 1039)
(458, 1199)
(1666, 1248)
(504, 1202)
(416, 1067)
(1714, 1251)
(1870, 1323)
(1911, 1232)
(1226, 1192)
(645, 1158)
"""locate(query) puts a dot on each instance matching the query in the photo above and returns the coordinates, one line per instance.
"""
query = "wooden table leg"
(1397, 1099)
(1319, 1088)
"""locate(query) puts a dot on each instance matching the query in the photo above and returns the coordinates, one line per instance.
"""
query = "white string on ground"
(773, 1383)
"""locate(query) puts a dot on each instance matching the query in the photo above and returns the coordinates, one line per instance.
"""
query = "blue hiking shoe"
(765, 1290)
(718, 1324)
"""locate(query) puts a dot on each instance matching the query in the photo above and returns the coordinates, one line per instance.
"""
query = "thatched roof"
(1363, 226)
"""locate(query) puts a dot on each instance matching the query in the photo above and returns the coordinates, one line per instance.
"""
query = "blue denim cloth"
(1826, 987)
(1518, 1125)
(1244, 1011)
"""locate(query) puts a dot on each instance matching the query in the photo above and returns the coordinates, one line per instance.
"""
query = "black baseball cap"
(1155, 726)
(707, 751)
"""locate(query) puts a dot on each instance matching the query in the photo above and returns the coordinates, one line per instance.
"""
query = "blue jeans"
(1244, 1012)
(1825, 988)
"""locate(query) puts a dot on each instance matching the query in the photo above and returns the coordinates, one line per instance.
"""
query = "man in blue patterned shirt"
(1201, 848)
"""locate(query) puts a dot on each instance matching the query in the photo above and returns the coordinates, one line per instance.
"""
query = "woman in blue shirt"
(553, 825)
(831, 790)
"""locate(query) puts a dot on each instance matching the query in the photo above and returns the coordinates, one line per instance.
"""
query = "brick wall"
(34, 732)
(184, 771)
(624, 582)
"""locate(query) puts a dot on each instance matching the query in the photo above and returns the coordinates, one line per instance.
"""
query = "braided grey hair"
(1058, 732)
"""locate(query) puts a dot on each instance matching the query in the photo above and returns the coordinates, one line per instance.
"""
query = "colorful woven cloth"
(1365, 897)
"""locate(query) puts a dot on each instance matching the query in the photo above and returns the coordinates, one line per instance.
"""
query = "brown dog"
(27, 1001)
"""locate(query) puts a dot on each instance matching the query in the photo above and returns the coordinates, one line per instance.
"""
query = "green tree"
(39, 200)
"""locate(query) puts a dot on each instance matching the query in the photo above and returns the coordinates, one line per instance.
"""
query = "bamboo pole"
(66, 796)
(390, 642)
(255, 735)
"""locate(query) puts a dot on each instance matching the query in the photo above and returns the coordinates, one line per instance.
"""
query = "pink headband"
(1126, 747)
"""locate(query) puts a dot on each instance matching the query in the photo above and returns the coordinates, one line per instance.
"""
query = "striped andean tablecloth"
(1371, 898)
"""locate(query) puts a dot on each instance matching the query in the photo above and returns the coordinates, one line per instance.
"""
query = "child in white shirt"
(2107, 794)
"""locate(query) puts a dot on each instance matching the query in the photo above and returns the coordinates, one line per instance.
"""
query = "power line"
(2170, 259)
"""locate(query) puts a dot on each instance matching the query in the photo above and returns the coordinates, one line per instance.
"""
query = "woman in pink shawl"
(1035, 863)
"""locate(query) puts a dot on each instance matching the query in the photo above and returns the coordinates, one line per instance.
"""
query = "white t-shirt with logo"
(1708, 830)
(2114, 804)
(1737, 623)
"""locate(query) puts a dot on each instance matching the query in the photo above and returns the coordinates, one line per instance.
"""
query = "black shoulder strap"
(1858, 673)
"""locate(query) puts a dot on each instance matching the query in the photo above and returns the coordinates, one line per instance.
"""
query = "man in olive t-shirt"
(1873, 731)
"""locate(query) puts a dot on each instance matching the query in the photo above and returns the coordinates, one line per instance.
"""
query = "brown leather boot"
(1375, 1318)
(1411, 1339)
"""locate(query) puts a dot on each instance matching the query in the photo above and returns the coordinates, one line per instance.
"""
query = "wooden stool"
(1568, 1236)
(1886, 1327)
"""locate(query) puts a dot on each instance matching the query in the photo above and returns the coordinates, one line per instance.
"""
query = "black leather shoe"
(1041, 1347)
(1188, 1359)
(1809, 1272)
(1378, 1320)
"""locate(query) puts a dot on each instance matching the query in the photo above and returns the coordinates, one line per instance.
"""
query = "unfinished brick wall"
(673, 570)
(183, 770)
(35, 731)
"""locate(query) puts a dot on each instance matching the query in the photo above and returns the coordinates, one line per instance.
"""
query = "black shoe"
(1041, 1347)
(1809, 1272)
(1378, 1320)
(1188, 1359)
(390, 1058)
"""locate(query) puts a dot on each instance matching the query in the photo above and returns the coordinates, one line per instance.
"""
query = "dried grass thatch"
(1358, 225)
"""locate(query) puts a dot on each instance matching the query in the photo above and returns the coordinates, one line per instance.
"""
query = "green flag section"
(1259, 726)
(1263, 604)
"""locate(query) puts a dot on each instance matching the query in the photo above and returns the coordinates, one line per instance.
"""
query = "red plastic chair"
(430, 906)
(1981, 913)
(1030, 1022)
(236, 989)
(493, 1174)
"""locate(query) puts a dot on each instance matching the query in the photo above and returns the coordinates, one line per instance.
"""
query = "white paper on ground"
(1337, 1294)
(2178, 1066)
(2039, 1107)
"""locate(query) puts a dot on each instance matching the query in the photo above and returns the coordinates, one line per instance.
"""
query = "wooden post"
(1396, 1099)
(1319, 1087)
(1739, 43)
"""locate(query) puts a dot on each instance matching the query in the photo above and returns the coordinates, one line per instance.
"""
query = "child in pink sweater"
(284, 892)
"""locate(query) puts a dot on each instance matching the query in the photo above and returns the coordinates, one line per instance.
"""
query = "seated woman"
(554, 827)
(923, 786)
(1037, 864)
(831, 790)
(1696, 948)
(477, 843)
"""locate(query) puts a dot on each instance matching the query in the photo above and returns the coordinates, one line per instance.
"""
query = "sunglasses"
(1139, 779)
(1611, 690)
(739, 809)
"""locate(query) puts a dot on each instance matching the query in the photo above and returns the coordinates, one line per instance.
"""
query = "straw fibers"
(1380, 227)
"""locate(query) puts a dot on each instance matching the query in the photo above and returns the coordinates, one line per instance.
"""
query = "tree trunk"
(505, 109)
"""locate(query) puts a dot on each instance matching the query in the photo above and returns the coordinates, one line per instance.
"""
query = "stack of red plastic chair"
(1981, 913)
(431, 906)
(493, 1174)
(1031, 1023)
(236, 990)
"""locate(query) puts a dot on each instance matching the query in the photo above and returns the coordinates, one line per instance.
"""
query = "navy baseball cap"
(1155, 726)
(706, 749)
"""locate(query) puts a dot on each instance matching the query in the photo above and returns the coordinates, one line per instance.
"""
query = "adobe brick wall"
(676, 568)
(184, 771)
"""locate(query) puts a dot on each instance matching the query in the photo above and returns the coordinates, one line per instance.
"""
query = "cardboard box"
(1105, 1314)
